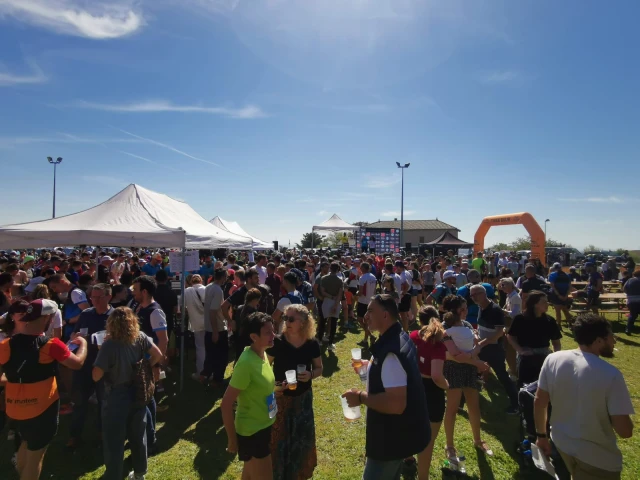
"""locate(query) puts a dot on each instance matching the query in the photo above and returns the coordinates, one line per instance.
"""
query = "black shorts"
(405, 303)
(353, 290)
(555, 300)
(38, 432)
(362, 309)
(254, 446)
(435, 400)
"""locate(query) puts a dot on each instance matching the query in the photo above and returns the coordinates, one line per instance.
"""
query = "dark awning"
(448, 240)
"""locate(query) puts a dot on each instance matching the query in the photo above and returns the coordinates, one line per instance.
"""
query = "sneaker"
(133, 476)
(325, 339)
(513, 410)
(332, 347)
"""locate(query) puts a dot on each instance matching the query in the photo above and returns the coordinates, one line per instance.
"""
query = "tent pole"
(182, 313)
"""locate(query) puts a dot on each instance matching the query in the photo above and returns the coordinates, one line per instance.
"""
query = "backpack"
(143, 381)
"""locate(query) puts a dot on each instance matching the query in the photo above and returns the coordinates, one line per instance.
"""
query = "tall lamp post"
(545, 230)
(402, 167)
(55, 164)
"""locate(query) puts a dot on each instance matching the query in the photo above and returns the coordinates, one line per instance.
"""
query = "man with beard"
(585, 436)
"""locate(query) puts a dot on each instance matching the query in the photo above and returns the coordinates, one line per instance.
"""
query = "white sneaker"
(332, 347)
(133, 476)
(325, 339)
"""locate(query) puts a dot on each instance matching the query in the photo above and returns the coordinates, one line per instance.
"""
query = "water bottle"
(526, 444)
(461, 467)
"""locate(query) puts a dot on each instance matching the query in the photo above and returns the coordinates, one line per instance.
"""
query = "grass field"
(192, 440)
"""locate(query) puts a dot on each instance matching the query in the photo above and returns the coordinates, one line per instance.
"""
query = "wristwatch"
(541, 435)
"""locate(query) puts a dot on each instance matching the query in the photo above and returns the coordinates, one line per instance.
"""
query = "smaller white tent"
(135, 217)
(335, 224)
(235, 228)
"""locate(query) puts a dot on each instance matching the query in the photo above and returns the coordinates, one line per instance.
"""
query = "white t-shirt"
(56, 322)
(158, 320)
(367, 288)
(513, 304)
(584, 391)
(438, 278)
(195, 306)
(463, 337)
(262, 273)
(393, 375)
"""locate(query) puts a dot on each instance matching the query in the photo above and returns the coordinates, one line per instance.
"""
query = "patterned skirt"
(293, 438)
(460, 375)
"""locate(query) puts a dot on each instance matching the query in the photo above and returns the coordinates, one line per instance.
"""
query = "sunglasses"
(288, 318)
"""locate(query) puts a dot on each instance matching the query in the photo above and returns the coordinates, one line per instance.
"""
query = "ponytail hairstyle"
(432, 330)
(451, 304)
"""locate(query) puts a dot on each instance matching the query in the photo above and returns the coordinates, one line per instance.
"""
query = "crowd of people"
(97, 326)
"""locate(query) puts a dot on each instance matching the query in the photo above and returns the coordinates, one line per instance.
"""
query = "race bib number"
(272, 406)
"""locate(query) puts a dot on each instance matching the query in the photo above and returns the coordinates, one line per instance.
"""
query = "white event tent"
(135, 217)
(334, 224)
(235, 228)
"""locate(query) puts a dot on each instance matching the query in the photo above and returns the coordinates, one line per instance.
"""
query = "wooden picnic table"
(613, 296)
(604, 284)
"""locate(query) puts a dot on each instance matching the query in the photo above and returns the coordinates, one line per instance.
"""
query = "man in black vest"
(397, 418)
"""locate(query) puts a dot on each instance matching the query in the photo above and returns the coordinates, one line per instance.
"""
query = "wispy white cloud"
(322, 213)
(8, 79)
(158, 106)
(168, 147)
(97, 19)
(611, 199)
(382, 181)
(395, 214)
(500, 77)
(66, 138)
(140, 157)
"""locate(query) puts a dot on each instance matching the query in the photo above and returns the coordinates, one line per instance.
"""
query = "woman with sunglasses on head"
(293, 439)
(252, 385)
(461, 371)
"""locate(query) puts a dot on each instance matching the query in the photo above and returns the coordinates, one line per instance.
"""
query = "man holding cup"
(92, 320)
(397, 418)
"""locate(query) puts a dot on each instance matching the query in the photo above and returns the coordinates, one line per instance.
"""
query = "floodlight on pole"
(55, 163)
(402, 167)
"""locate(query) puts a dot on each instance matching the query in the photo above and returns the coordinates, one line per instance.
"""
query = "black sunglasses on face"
(288, 318)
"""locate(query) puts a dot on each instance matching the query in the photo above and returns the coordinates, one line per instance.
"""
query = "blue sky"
(278, 113)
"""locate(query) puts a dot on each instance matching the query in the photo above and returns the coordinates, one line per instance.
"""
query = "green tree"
(335, 239)
(620, 251)
(307, 243)
(592, 248)
(500, 246)
(553, 243)
(521, 243)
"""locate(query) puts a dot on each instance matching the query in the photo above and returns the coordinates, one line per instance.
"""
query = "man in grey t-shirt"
(590, 401)
(216, 339)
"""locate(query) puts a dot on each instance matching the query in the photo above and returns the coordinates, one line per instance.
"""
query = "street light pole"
(55, 164)
(402, 167)
(545, 230)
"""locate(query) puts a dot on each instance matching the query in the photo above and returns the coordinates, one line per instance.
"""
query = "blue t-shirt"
(205, 272)
(442, 291)
(150, 270)
(561, 281)
(472, 308)
(593, 281)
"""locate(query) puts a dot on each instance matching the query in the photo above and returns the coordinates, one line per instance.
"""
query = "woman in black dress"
(532, 334)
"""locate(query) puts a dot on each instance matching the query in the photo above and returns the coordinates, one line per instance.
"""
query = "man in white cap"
(28, 360)
(447, 287)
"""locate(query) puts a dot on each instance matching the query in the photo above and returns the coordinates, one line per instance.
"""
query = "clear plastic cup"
(356, 356)
(351, 414)
(84, 332)
(292, 379)
(301, 368)
(98, 337)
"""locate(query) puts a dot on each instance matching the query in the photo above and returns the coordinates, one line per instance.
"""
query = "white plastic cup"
(98, 337)
(301, 368)
(291, 376)
(351, 414)
(356, 353)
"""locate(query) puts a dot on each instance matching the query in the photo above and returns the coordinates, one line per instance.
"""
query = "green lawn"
(193, 441)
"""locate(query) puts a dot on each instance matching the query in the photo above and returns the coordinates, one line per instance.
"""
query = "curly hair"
(122, 325)
(41, 291)
(453, 303)
(308, 322)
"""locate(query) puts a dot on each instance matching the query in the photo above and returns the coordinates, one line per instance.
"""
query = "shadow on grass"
(329, 363)
(212, 459)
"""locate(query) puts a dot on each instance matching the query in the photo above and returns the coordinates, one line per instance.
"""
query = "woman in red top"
(431, 356)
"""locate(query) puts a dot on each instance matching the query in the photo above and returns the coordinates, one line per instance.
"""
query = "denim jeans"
(379, 470)
(150, 415)
(121, 421)
(494, 355)
(634, 311)
(83, 388)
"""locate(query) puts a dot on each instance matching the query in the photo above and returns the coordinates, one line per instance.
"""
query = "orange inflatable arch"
(526, 219)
